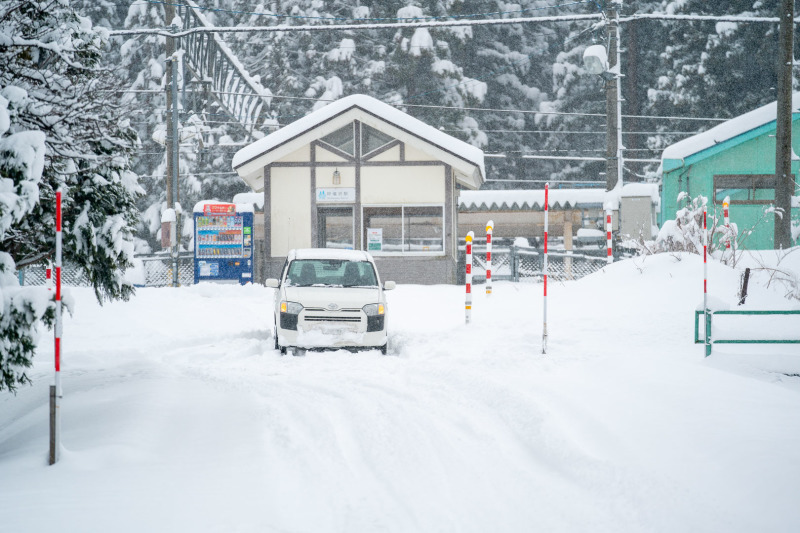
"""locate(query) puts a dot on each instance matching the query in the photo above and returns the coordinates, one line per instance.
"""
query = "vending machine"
(223, 243)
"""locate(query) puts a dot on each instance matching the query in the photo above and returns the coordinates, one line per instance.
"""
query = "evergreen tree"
(715, 69)
(56, 95)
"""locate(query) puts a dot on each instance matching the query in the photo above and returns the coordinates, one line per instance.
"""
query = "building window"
(408, 229)
(342, 139)
(745, 188)
(372, 139)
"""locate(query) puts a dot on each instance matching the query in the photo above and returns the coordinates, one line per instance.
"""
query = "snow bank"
(178, 415)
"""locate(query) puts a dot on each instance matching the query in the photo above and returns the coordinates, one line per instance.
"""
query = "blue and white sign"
(336, 194)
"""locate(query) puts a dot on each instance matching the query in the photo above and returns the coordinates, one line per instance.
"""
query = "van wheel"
(384, 348)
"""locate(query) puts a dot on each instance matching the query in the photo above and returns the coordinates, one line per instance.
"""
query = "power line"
(366, 19)
(567, 158)
(435, 24)
(526, 112)
(191, 174)
(351, 27)
(576, 132)
(700, 18)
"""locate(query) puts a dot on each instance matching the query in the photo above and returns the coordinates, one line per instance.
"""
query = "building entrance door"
(335, 227)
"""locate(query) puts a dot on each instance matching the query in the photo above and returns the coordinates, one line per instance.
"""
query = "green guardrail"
(708, 340)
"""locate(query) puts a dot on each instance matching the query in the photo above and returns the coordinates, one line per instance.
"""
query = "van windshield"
(331, 273)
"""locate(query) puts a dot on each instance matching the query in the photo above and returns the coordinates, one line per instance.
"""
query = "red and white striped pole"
(725, 203)
(48, 276)
(55, 391)
(544, 269)
(489, 228)
(610, 253)
(468, 301)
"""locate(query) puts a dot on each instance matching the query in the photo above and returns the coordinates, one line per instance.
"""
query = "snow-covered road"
(179, 416)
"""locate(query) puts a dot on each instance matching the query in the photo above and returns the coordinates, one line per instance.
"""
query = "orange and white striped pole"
(489, 229)
(468, 301)
(725, 203)
(610, 253)
(544, 269)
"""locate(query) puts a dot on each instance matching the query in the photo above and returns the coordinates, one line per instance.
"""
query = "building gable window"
(342, 139)
(745, 188)
(372, 139)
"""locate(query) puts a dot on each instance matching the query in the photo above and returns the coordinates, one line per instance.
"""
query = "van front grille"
(323, 318)
(323, 310)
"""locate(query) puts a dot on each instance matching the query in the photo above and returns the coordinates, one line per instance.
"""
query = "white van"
(330, 299)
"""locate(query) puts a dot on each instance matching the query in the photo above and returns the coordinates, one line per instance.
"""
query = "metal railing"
(709, 340)
(158, 269)
(211, 61)
(155, 271)
(526, 264)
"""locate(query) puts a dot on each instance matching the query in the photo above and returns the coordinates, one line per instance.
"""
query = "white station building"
(360, 174)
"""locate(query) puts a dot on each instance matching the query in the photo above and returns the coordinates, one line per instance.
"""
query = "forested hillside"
(513, 89)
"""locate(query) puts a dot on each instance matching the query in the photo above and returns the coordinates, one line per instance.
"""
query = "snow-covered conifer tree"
(61, 127)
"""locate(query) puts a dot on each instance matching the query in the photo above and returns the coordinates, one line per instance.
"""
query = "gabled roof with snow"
(466, 160)
(725, 132)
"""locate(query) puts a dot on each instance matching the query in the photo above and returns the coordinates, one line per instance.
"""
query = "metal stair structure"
(212, 63)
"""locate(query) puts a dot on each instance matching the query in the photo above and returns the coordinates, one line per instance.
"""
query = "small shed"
(735, 159)
(520, 213)
(361, 174)
(639, 207)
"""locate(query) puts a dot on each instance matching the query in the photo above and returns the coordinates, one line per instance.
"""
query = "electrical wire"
(350, 19)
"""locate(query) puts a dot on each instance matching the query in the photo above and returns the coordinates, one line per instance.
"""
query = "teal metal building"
(735, 159)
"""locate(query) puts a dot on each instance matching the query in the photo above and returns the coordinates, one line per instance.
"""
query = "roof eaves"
(729, 143)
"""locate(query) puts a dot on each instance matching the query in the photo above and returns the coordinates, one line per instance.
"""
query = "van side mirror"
(389, 285)
(272, 283)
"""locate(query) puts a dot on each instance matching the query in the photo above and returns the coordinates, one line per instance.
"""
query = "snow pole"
(468, 278)
(55, 390)
(489, 228)
(48, 276)
(725, 205)
(610, 253)
(544, 270)
(706, 315)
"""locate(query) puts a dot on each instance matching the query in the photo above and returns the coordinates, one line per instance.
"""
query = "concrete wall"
(400, 185)
(290, 210)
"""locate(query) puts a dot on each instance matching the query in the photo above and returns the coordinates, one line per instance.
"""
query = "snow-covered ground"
(179, 416)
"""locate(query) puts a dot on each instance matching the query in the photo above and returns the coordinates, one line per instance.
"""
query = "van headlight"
(374, 309)
(293, 308)
(290, 311)
(375, 316)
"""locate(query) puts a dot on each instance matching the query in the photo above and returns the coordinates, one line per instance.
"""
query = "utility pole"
(613, 100)
(784, 180)
(173, 140)
(169, 14)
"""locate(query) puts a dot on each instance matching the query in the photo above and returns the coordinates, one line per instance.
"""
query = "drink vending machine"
(223, 243)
